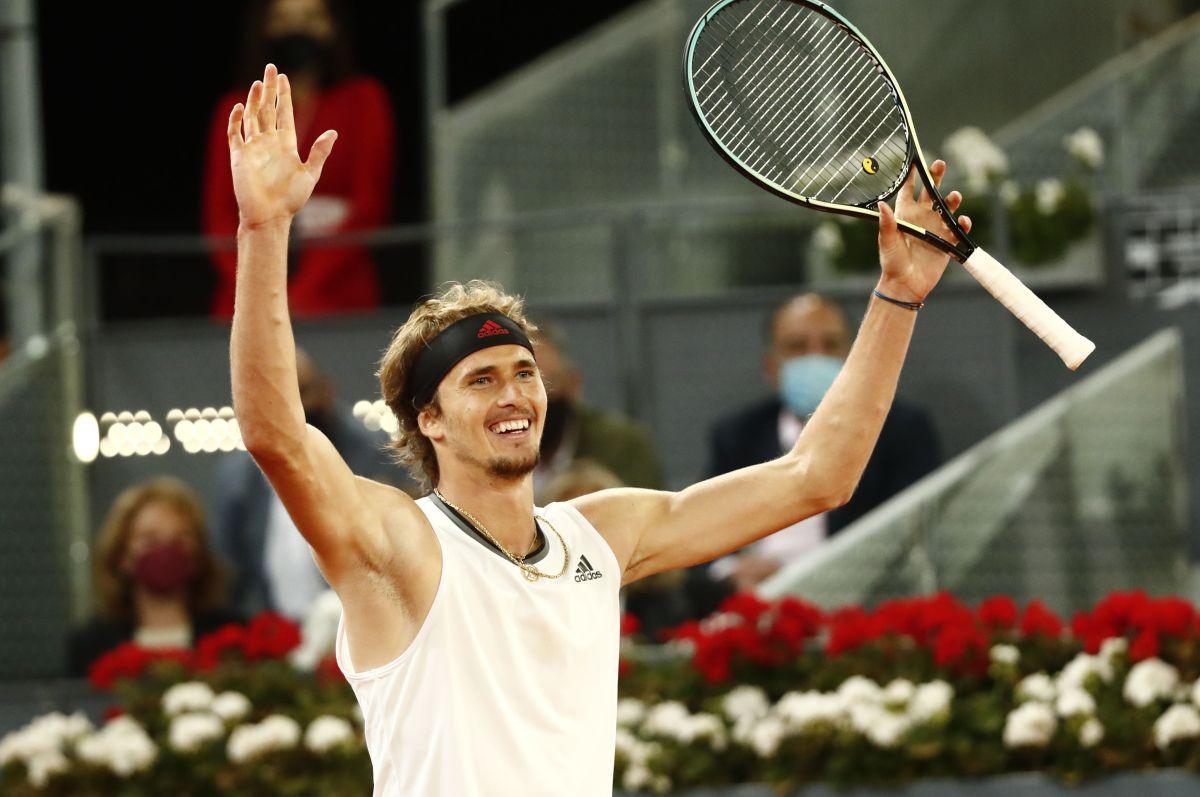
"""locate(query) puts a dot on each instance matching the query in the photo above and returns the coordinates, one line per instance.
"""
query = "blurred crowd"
(167, 572)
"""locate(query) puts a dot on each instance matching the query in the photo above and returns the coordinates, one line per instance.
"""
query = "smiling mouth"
(511, 428)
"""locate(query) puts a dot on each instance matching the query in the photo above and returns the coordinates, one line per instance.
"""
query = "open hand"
(910, 266)
(269, 179)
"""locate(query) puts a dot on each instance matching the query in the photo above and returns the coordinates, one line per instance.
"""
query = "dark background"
(128, 93)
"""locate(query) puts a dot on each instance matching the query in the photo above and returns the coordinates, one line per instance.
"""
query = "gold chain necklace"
(530, 572)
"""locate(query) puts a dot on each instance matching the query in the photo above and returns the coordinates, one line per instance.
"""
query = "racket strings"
(798, 100)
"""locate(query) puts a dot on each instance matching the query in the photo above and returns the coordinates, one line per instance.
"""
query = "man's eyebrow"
(480, 371)
(526, 362)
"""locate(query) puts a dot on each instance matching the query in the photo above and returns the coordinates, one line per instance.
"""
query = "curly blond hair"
(455, 302)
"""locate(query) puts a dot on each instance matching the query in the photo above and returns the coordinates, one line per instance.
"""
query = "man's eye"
(481, 380)
(525, 374)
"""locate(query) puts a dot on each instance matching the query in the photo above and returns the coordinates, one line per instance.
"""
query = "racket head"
(797, 100)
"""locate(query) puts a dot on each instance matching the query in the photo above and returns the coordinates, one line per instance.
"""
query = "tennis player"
(480, 632)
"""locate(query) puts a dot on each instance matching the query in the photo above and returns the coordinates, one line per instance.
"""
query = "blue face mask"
(803, 381)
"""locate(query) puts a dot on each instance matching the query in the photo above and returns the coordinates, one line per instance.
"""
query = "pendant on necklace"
(530, 575)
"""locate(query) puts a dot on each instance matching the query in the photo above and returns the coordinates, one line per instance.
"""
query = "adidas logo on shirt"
(585, 572)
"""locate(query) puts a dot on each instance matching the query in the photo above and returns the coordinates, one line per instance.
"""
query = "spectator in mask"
(273, 567)
(807, 340)
(308, 41)
(573, 431)
(157, 580)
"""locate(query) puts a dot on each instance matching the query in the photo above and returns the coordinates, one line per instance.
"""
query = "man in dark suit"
(272, 565)
(807, 339)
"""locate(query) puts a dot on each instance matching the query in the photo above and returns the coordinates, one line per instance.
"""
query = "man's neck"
(504, 507)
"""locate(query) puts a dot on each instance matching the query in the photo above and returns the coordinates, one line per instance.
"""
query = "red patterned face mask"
(166, 568)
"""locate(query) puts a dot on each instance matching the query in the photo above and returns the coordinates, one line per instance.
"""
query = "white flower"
(888, 730)
(276, 732)
(43, 736)
(626, 741)
(857, 689)
(668, 719)
(189, 732)
(899, 692)
(704, 726)
(41, 767)
(1081, 669)
(1195, 695)
(1113, 647)
(970, 149)
(1030, 725)
(122, 746)
(325, 733)
(742, 703)
(720, 621)
(661, 785)
(827, 239)
(636, 777)
(230, 706)
(189, 696)
(767, 736)
(1075, 701)
(1178, 722)
(318, 632)
(801, 710)
(1005, 654)
(1086, 146)
(1047, 194)
(1010, 192)
(930, 701)
(1091, 733)
(630, 711)
(1037, 687)
(1150, 680)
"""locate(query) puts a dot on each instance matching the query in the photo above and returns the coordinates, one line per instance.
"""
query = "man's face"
(805, 326)
(492, 406)
(299, 16)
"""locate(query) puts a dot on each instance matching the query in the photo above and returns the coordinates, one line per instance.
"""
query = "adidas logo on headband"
(490, 328)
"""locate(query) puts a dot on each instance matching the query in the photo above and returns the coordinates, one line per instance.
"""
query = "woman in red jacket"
(307, 40)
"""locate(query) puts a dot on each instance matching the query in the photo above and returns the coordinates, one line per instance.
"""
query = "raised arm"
(326, 501)
(654, 531)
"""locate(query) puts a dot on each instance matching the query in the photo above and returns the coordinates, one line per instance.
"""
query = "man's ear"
(429, 422)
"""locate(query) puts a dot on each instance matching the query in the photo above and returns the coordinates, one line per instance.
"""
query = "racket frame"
(915, 156)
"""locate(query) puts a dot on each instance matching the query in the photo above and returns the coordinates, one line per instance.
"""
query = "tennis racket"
(796, 99)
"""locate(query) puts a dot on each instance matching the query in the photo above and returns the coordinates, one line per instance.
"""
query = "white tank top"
(509, 687)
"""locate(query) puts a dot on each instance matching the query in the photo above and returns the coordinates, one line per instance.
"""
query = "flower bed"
(779, 693)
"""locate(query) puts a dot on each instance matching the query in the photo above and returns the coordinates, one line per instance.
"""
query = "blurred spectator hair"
(254, 40)
(114, 586)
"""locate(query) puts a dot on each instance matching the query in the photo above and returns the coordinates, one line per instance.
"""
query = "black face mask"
(298, 53)
(560, 413)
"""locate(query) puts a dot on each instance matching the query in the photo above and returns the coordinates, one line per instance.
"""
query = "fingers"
(953, 200)
(319, 152)
(890, 240)
(287, 120)
(233, 131)
(936, 172)
(250, 115)
(965, 223)
(266, 113)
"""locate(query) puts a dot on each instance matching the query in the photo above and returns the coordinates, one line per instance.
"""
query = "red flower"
(1040, 620)
(629, 624)
(130, 660)
(214, 647)
(746, 605)
(1144, 646)
(270, 636)
(1170, 615)
(961, 646)
(1118, 610)
(999, 611)
(328, 670)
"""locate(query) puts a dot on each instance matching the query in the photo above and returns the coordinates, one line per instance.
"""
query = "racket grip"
(1068, 344)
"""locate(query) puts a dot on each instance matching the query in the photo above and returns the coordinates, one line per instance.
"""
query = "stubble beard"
(513, 468)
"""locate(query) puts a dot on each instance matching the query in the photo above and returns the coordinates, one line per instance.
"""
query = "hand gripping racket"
(798, 101)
